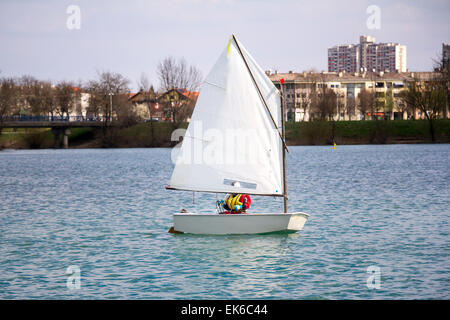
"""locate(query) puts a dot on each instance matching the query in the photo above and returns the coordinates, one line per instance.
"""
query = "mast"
(260, 94)
(282, 134)
(284, 151)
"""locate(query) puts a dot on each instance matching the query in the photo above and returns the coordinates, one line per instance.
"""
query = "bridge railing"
(27, 118)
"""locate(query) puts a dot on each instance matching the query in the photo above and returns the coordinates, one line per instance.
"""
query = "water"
(107, 212)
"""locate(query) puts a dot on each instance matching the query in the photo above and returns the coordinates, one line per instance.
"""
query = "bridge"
(60, 125)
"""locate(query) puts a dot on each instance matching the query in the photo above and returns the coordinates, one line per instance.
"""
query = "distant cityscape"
(378, 70)
(364, 81)
(367, 56)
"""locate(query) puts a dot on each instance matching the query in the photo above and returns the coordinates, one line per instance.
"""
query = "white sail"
(232, 145)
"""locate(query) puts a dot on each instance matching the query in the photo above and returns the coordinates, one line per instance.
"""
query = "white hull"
(248, 223)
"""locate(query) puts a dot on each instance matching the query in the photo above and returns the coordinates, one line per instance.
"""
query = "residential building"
(158, 107)
(367, 56)
(146, 105)
(299, 90)
(345, 57)
(446, 56)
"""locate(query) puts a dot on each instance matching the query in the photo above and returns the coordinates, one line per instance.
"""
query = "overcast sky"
(131, 37)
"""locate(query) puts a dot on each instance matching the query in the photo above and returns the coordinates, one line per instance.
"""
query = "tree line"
(106, 97)
(430, 97)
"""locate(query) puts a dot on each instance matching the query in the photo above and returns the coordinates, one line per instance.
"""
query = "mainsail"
(232, 143)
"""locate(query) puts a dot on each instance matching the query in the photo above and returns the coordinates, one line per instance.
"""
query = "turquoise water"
(107, 212)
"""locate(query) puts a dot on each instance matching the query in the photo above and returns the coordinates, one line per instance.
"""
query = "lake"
(378, 228)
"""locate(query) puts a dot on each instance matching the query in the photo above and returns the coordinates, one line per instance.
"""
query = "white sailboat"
(235, 144)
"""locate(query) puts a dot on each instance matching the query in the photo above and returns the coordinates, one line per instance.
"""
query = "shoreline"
(289, 145)
(317, 133)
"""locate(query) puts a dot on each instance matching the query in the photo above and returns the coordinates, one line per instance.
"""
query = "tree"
(389, 103)
(65, 98)
(429, 97)
(305, 102)
(151, 98)
(350, 107)
(41, 98)
(8, 98)
(326, 103)
(143, 83)
(340, 105)
(175, 74)
(26, 86)
(106, 95)
(31, 94)
(366, 102)
(378, 105)
(126, 113)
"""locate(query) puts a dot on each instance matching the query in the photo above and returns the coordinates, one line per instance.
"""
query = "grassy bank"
(158, 134)
(142, 135)
(365, 132)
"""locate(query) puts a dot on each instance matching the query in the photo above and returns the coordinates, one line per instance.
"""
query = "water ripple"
(107, 212)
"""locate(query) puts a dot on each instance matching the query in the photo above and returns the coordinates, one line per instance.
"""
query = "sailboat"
(235, 143)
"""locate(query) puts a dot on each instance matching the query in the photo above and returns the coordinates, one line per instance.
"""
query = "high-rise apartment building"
(344, 57)
(446, 56)
(367, 55)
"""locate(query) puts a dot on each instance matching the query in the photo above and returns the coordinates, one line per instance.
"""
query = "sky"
(44, 39)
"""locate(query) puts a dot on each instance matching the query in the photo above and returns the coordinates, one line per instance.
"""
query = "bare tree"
(26, 86)
(31, 94)
(366, 102)
(340, 105)
(313, 92)
(175, 74)
(40, 96)
(106, 95)
(389, 103)
(305, 102)
(430, 97)
(326, 102)
(150, 99)
(350, 107)
(8, 98)
(65, 98)
(143, 83)
(96, 101)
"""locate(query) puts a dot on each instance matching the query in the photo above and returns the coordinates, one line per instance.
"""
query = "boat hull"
(249, 223)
